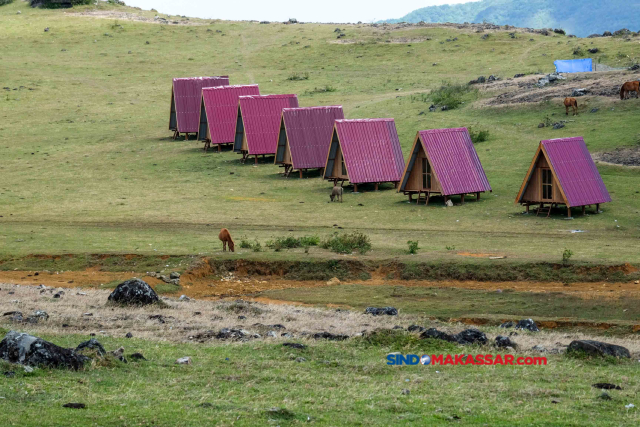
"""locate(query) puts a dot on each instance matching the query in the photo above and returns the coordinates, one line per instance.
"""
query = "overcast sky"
(282, 10)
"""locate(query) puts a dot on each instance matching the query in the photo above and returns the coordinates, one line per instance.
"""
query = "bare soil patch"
(626, 156)
(128, 16)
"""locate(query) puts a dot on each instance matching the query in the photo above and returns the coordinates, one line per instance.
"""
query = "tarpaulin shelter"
(562, 172)
(443, 162)
(573, 65)
(305, 134)
(219, 113)
(364, 151)
(186, 94)
(258, 123)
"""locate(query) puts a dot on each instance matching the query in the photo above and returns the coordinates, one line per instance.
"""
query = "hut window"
(547, 184)
(344, 168)
(426, 173)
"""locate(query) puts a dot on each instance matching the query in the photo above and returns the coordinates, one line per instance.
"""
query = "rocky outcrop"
(28, 350)
(134, 292)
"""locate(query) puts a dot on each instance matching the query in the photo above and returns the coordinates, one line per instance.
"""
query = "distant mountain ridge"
(579, 17)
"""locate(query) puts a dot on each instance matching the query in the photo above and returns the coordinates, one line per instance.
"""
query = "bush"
(325, 89)
(566, 255)
(347, 243)
(257, 247)
(57, 4)
(291, 242)
(413, 247)
(479, 136)
(3, 2)
(577, 51)
(298, 76)
(450, 95)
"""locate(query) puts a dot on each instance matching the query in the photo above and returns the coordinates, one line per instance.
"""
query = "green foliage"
(296, 76)
(348, 243)
(451, 95)
(245, 244)
(323, 89)
(577, 51)
(167, 288)
(479, 135)
(413, 247)
(291, 242)
(57, 4)
(3, 2)
(566, 255)
(257, 247)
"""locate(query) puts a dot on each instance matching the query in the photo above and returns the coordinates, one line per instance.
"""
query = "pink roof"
(454, 160)
(221, 106)
(309, 134)
(575, 171)
(187, 93)
(371, 150)
(261, 115)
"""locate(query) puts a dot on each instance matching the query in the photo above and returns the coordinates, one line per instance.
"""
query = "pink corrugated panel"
(187, 93)
(371, 150)
(261, 116)
(576, 172)
(455, 161)
(221, 106)
(309, 133)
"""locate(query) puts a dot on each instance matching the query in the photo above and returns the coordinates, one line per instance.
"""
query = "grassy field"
(89, 166)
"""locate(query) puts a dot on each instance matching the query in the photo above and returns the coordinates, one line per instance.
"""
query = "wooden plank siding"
(533, 191)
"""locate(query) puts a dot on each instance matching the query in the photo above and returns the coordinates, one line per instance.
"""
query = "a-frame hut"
(258, 124)
(443, 162)
(305, 134)
(364, 151)
(186, 94)
(219, 113)
(562, 172)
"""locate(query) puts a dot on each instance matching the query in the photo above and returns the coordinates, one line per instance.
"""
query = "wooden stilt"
(376, 187)
(477, 196)
(418, 200)
(219, 148)
(462, 199)
(527, 206)
(597, 208)
(186, 136)
(568, 211)
(583, 209)
(410, 197)
(300, 173)
(255, 159)
(426, 203)
(355, 188)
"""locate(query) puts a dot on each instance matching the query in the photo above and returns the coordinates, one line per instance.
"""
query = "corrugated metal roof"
(261, 116)
(309, 134)
(221, 106)
(454, 160)
(187, 95)
(575, 171)
(371, 150)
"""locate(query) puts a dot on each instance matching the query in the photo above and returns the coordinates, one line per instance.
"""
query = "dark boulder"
(28, 350)
(517, 76)
(435, 334)
(294, 345)
(606, 386)
(528, 324)
(137, 356)
(231, 333)
(471, 336)
(597, 348)
(329, 336)
(379, 311)
(416, 328)
(134, 292)
(92, 344)
(504, 342)
(607, 34)
(634, 67)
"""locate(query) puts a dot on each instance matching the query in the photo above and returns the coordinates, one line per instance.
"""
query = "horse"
(225, 237)
(573, 103)
(630, 87)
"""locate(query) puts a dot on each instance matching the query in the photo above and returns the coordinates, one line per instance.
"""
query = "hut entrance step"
(544, 210)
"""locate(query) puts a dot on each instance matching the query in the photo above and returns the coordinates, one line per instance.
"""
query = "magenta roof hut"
(186, 94)
(562, 172)
(305, 135)
(219, 113)
(258, 123)
(443, 162)
(364, 151)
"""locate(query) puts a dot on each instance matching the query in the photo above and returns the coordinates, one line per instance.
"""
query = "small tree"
(566, 255)
(413, 247)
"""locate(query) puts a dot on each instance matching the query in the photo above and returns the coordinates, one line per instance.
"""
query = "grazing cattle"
(336, 194)
(630, 87)
(573, 103)
(225, 236)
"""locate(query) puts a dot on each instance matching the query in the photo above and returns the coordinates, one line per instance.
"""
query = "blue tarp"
(573, 65)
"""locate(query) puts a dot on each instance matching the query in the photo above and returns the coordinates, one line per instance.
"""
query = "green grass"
(343, 383)
(105, 176)
(445, 302)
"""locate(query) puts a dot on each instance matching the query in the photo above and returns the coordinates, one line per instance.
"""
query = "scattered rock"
(433, 333)
(378, 311)
(406, 392)
(9, 374)
(540, 125)
(444, 108)
(433, 108)
(231, 333)
(634, 67)
(272, 334)
(59, 294)
(579, 92)
(294, 345)
(517, 76)
(92, 344)
(183, 361)
(594, 50)
(46, 30)
(333, 282)
(416, 328)
(594, 110)
(129, 335)
(558, 125)
(471, 336)
(174, 275)
(29, 350)
(184, 298)
(134, 292)
(606, 386)
(449, 203)
(598, 348)
(605, 396)
(74, 405)
(137, 356)
(300, 359)
(329, 336)
(550, 78)
(528, 324)
(503, 342)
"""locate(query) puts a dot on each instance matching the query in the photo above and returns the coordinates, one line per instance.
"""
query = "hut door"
(547, 184)
(344, 168)
(426, 174)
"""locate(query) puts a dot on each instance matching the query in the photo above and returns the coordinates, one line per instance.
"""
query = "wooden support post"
(255, 159)
(477, 196)
(445, 199)
(418, 200)
(300, 173)
(462, 199)
(219, 148)
(597, 208)
(186, 136)
(376, 187)
(568, 211)
(321, 172)
(527, 206)
(426, 203)
(410, 197)
(355, 188)
(583, 209)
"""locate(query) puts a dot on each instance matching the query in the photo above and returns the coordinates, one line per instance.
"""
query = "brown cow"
(629, 87)
(573, 103)
(225, 237)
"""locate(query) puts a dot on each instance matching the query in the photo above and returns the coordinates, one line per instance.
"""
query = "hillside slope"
(579, 17)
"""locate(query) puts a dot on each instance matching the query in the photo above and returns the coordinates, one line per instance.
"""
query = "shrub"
(291, 242)
(566, 255)
(298, 76)
(325, 89)
(347, 243)
(3, 2)
(577, 51)
(450, 94)
(57, 4)
(257, 247)
(413, 247)
(479, 136)
(245, 244)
